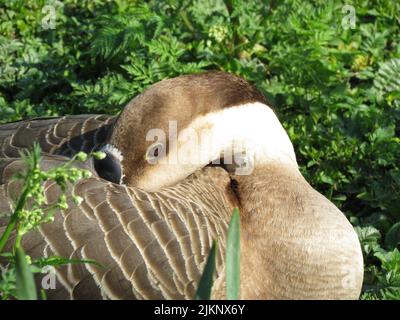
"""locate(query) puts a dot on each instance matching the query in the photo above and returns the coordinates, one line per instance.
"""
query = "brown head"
(170, 116)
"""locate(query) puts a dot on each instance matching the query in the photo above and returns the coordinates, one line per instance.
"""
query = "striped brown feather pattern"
(148, 245)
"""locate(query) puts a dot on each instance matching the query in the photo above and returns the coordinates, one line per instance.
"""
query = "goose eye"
(154, 152)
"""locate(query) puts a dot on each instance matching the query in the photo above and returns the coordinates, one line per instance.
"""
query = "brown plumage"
(295, 244)
(153, 246)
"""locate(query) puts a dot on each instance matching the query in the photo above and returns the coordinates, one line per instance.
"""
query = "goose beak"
(109, 168)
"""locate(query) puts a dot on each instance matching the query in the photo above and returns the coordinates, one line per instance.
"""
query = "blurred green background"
(333, 80)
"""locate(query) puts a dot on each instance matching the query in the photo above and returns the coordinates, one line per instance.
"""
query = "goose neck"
(275, 177)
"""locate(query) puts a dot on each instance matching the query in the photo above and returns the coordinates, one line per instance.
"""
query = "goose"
(179, 158)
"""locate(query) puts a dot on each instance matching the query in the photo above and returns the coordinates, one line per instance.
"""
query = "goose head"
(182, 124)
(294, 242)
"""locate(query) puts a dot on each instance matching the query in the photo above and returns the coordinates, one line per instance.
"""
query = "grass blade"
(26, 288)
(206, 281)
(60, 261)
(233, 257)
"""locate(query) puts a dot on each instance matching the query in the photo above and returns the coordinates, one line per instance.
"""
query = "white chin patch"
(247, 134)
(112, 150)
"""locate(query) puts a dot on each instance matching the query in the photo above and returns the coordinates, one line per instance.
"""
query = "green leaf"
(326, 179)
(233, 257)
(392, 238)
(26, 288)
(383, 133)
(387, 79)
(206, 280)
(57, 261)
(369, 237)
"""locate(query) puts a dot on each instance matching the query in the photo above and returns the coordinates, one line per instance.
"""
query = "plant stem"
(18, 238)
(186, 21)
(14, 218)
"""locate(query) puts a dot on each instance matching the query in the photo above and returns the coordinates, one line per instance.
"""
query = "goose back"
(147, 245)
(62, 136)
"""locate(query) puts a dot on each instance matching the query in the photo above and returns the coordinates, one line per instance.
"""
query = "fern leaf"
(387, 78)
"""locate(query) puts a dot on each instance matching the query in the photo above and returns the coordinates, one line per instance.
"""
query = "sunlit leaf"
(233, 257)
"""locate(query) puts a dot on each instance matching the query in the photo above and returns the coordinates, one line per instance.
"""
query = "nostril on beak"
(109, 168)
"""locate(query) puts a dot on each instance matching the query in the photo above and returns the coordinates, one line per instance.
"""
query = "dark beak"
(108, 168)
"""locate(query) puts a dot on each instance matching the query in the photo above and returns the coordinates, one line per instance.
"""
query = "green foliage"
(380, 282)
(392, 239)
(28, 218)
(32, 209)
(336, 90)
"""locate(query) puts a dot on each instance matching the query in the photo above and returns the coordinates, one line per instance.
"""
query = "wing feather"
(149, 245)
